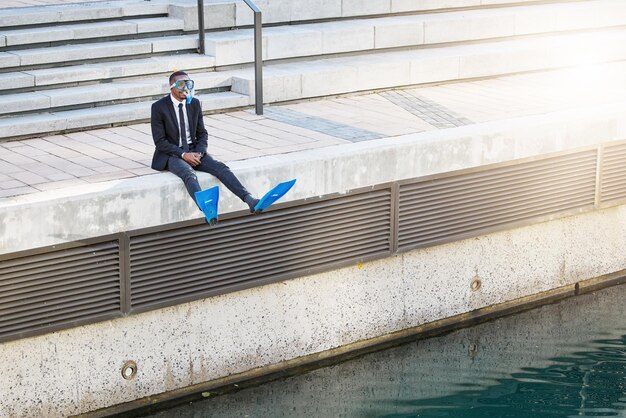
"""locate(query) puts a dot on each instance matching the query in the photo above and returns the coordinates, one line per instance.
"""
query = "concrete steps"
(30, 58)
(369, 71)
(99, 94)
(72, 120)
(94, 72)
(222, 14)
(80, 12)
(236, 47)
(310, 40)
(86, 31)
(98, 80)
(314, 78)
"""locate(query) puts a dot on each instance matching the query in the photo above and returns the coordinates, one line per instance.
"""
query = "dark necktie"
(183, 133)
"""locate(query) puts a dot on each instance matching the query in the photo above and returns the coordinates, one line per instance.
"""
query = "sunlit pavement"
(59, 161)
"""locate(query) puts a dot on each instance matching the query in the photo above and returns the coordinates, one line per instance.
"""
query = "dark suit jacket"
(165, 130)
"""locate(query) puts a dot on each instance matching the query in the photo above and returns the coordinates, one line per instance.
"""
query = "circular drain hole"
(476, 284)
(129, 370)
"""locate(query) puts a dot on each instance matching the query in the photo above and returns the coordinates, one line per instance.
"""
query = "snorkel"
(189, 95)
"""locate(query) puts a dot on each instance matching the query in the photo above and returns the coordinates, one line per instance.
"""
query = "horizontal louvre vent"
(193, 262)
(57, 288)
(445, 209)
(614, 173)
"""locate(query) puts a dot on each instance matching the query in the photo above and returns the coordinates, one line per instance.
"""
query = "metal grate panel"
(464, 205)
(613, 185)
(193, 262)
(62, 287)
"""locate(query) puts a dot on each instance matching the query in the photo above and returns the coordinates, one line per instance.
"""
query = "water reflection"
(588, 383)
(561, 360)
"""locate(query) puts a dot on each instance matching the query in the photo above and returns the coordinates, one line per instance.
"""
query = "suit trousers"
(209, 165)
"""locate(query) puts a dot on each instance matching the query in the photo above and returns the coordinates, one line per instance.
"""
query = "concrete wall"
(78, 370)
(398, 381)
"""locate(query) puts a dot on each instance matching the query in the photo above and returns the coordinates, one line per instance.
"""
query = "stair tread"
(98, 50)
(46, 122)
(104, 71)
(80, 31)
(124, 68)
(96, 93)
(16, 17)
(103, 109)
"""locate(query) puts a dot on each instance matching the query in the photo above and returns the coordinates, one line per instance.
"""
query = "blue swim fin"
(273, 195)
(207, 201)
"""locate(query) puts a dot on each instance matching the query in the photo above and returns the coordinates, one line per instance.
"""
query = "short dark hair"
(175, 74)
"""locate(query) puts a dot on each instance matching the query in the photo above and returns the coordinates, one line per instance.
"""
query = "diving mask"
(183, 85)
(186, 86)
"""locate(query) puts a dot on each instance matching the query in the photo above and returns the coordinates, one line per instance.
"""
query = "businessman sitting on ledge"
(180, 139)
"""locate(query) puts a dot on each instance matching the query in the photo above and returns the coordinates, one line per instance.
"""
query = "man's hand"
(193, 158)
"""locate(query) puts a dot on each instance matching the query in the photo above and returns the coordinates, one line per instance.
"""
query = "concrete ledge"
(64, 215)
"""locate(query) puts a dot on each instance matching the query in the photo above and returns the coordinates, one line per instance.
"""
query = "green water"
(561, 360)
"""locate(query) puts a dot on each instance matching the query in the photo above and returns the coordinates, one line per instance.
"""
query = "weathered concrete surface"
(78, 370)
(54, 217)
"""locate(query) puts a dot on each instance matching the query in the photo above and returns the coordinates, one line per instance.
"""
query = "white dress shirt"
(187, 132)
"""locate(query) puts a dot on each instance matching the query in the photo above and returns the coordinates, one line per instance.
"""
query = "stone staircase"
(73, 67)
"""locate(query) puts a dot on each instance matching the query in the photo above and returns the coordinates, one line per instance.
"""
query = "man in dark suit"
(181, 140)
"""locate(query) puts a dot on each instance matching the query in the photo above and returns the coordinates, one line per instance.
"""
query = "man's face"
(180, 95)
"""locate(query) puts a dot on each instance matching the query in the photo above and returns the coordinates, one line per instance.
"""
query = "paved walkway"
(52, 162)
